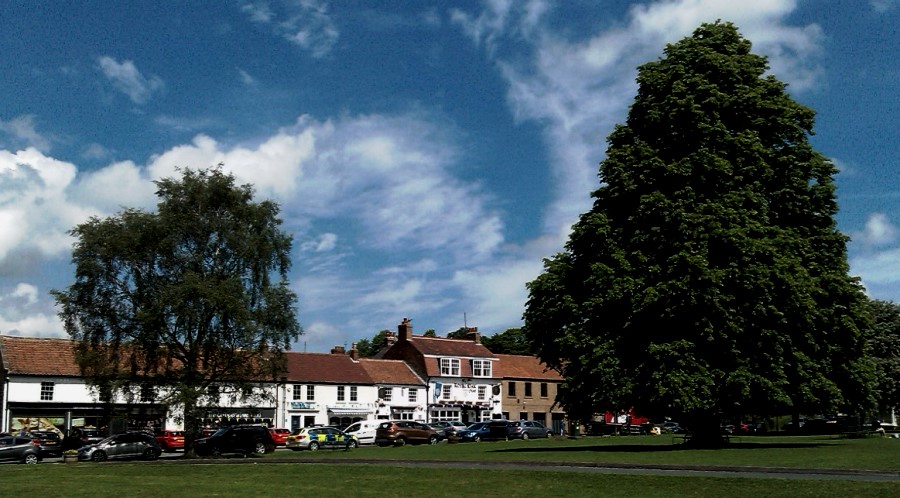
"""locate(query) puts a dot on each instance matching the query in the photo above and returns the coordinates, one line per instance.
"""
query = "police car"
(313, 438)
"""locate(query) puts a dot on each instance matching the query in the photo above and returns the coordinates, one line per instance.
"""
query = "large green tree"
(709, 279)
(191, 301)
(510, 341)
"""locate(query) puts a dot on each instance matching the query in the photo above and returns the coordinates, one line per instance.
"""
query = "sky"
(426, 155)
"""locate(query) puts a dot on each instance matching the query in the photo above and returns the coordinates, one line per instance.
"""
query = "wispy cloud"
(306, 23)
(882, 6)
(21, 132)
(128, 80)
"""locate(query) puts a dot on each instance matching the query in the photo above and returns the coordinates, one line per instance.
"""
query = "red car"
(170, 441)
(279, 435)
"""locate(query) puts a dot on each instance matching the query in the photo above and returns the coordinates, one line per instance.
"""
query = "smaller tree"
(510, 341)
(368, 348)
(883, 345)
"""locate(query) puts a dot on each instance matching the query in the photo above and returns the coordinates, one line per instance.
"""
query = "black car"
(489, 430)
(50, 442)
(237, 439)
(82, 436)
(20, 449)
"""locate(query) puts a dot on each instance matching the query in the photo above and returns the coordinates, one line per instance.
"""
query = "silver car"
(127, 445)
(19, 449)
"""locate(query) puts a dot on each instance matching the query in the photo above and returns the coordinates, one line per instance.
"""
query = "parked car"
(237, 439)
(22, 449)
(489, 430)
(279, 435)
(313, 438)
(447, 428)
(526, 429)
(170, 441)
(82, 436)
(126, 445)
(401, 432)
(50, 442)
(364, 430)
(672, 427)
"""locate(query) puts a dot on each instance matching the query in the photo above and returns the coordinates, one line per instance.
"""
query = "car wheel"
(524, 436)
(150, 454)
(433, 440)
(313, 446)
(549, 435)
(30, 459)
(259, 448)
(401, 441)
(353, 444)
(99, 456)
(477, 439)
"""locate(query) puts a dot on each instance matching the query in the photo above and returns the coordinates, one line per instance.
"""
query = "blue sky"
(426, 155)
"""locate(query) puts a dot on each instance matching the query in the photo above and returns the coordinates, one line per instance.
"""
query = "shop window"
(47, 391)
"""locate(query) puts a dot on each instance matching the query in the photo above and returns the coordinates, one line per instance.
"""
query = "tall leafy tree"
(884, 347)
(191, 301)
(709, 278)
(368, 348)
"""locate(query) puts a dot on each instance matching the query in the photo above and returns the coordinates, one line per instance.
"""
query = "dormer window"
(450, 367)
(481, 368)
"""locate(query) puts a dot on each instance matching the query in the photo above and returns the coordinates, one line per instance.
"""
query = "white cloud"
(306, 23)
(882, 6)
(878, 231)
(128, 80)
(23, 133)
(879, 268)
(324, 243)
(246, 78)
(24, 313)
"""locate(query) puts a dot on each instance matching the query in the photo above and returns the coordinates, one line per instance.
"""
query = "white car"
(364, 430)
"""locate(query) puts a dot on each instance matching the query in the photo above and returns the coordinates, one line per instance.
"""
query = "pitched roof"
(390, 372)
(38, 356)
(325, 368)
(439, 346)
(514, 366)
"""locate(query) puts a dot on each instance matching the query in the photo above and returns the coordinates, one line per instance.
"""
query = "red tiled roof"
(438, 346)
(513, 366)
(36, 356)
(325, 368)
(390, 372)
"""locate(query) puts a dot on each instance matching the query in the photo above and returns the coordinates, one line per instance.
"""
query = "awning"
(349, 411)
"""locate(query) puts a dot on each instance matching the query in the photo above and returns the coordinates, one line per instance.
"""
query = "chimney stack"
(404, 330)
(354, 353)
(473, 335)
(337, 350)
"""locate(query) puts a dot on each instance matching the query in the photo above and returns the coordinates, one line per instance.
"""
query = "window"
(481, 368)
(482, 393)
(543, 389)
(511, 391)
(297, 392)
(445, 392)
(310, 393)
(46, 391)
(340, 396)
(353, 390)
(528, 389)
(148, 394)
(450, 367)
(413, 395)
(386, 393)
(213, 392)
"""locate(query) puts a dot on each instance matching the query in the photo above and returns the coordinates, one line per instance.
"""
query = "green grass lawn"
(760, 451)
(289, 472)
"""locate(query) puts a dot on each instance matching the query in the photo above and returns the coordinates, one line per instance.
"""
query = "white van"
(364, 430)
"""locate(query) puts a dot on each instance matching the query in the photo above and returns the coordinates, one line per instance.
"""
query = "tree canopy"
(709, 279)
(368, 348)
(510, 341)
(192, 296)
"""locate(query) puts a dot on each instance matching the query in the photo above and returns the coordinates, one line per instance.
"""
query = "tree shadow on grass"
(648, 448)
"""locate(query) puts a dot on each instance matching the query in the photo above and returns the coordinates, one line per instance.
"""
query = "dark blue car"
(490, 430)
